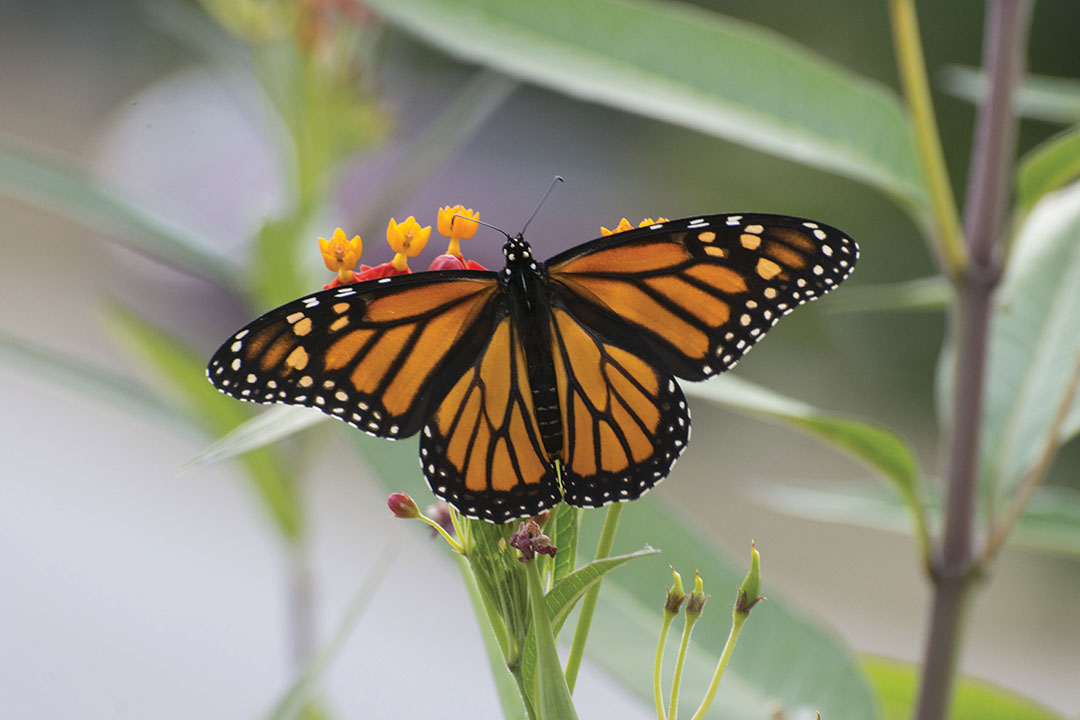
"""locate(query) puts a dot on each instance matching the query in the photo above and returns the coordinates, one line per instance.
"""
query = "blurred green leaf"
(52, 186)
(268, 426)
(1040, 97)
(1051, 522)
(1049, 167)
(1034, 346)
(183, 376)
(687, 66)
(879, 448)
(80, 375)
(930, 293)
(784, 662)
(897, 682)
(299, 701)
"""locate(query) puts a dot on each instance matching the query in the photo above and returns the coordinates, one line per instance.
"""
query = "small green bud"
(675, 594)
(751, 585)
(696, 604)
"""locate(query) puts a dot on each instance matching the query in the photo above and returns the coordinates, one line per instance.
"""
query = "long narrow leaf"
(49, 185)
(183, 380)
(686, 66)
(1034, 346)
(1048, 167)
(785, 663)
(879, 448)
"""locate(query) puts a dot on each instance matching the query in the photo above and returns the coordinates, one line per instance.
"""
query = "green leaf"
(562, 598)
(687, 66)
(552, 692)
(1040, 97)
(184, 383)
(881, 449)
(1050, 523)
(1034, 351)
(298, 700)
(1049, 167)
(896, 684)
(80, 375)
(930, 293)
(784, 662)
(56, 188)
(562, 528)
(268, 426)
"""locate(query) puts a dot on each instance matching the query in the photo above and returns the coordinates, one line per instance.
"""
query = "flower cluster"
(407, 239)
(624, 225)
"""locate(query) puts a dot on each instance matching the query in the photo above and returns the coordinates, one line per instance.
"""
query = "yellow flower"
(624, 224)
(649, 221)
(341, 254)
(407, 240)
(457, 228)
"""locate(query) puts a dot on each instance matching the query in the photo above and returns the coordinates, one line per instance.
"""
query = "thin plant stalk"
(658, 691)
(955, 568)
(588, 604)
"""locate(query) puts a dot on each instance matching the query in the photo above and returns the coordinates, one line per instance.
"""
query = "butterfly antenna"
(481, 222)
(556, 179)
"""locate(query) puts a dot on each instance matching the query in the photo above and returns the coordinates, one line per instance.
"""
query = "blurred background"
(134, 591)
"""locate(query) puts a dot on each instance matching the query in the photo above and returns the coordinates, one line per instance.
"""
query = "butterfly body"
(568, 363)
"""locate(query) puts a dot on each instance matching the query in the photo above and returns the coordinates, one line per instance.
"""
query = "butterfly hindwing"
(482, 451)
(700, 292)
(372, 354)
(625, 420)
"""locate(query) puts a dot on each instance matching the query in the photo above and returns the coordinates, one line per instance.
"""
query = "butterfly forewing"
(482, 450)
(625, 421)
(700, 292)
(371, 354)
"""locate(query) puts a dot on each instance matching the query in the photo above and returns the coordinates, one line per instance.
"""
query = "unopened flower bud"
(403, 506)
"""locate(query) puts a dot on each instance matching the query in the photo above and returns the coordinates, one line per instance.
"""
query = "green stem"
(493, 633)
(673, 707)
(588, 605)
(948, 239)
(729, 647)
(658, 692)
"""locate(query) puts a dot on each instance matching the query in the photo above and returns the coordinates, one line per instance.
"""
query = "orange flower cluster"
(407, 239)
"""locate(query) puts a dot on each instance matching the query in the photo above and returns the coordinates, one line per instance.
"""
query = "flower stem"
(673, 706)
(588, 605)
(658, 692)
(948, 238)
(553, 696)
(729, 647)
(956, 567)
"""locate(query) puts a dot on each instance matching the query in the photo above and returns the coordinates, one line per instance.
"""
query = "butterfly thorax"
(530, 311)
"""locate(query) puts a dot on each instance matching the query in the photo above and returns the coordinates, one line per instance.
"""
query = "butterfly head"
(518, 255)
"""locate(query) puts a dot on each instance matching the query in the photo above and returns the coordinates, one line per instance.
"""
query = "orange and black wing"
(625, 420)
(374, 354)
(482, 451)
(698, 293)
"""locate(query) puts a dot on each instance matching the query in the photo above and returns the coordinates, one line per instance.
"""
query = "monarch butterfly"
(551, 380)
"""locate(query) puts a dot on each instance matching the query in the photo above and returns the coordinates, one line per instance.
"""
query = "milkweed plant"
(1006, 279)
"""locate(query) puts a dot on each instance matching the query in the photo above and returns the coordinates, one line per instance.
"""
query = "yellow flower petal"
(649, 221)
(339, 253)
(624, 224)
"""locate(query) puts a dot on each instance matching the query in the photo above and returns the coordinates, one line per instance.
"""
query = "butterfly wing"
(625, 420)
(374, 354)
(482, 450)
(700, 292)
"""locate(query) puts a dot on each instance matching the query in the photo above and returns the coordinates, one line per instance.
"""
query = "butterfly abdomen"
(531, 314)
